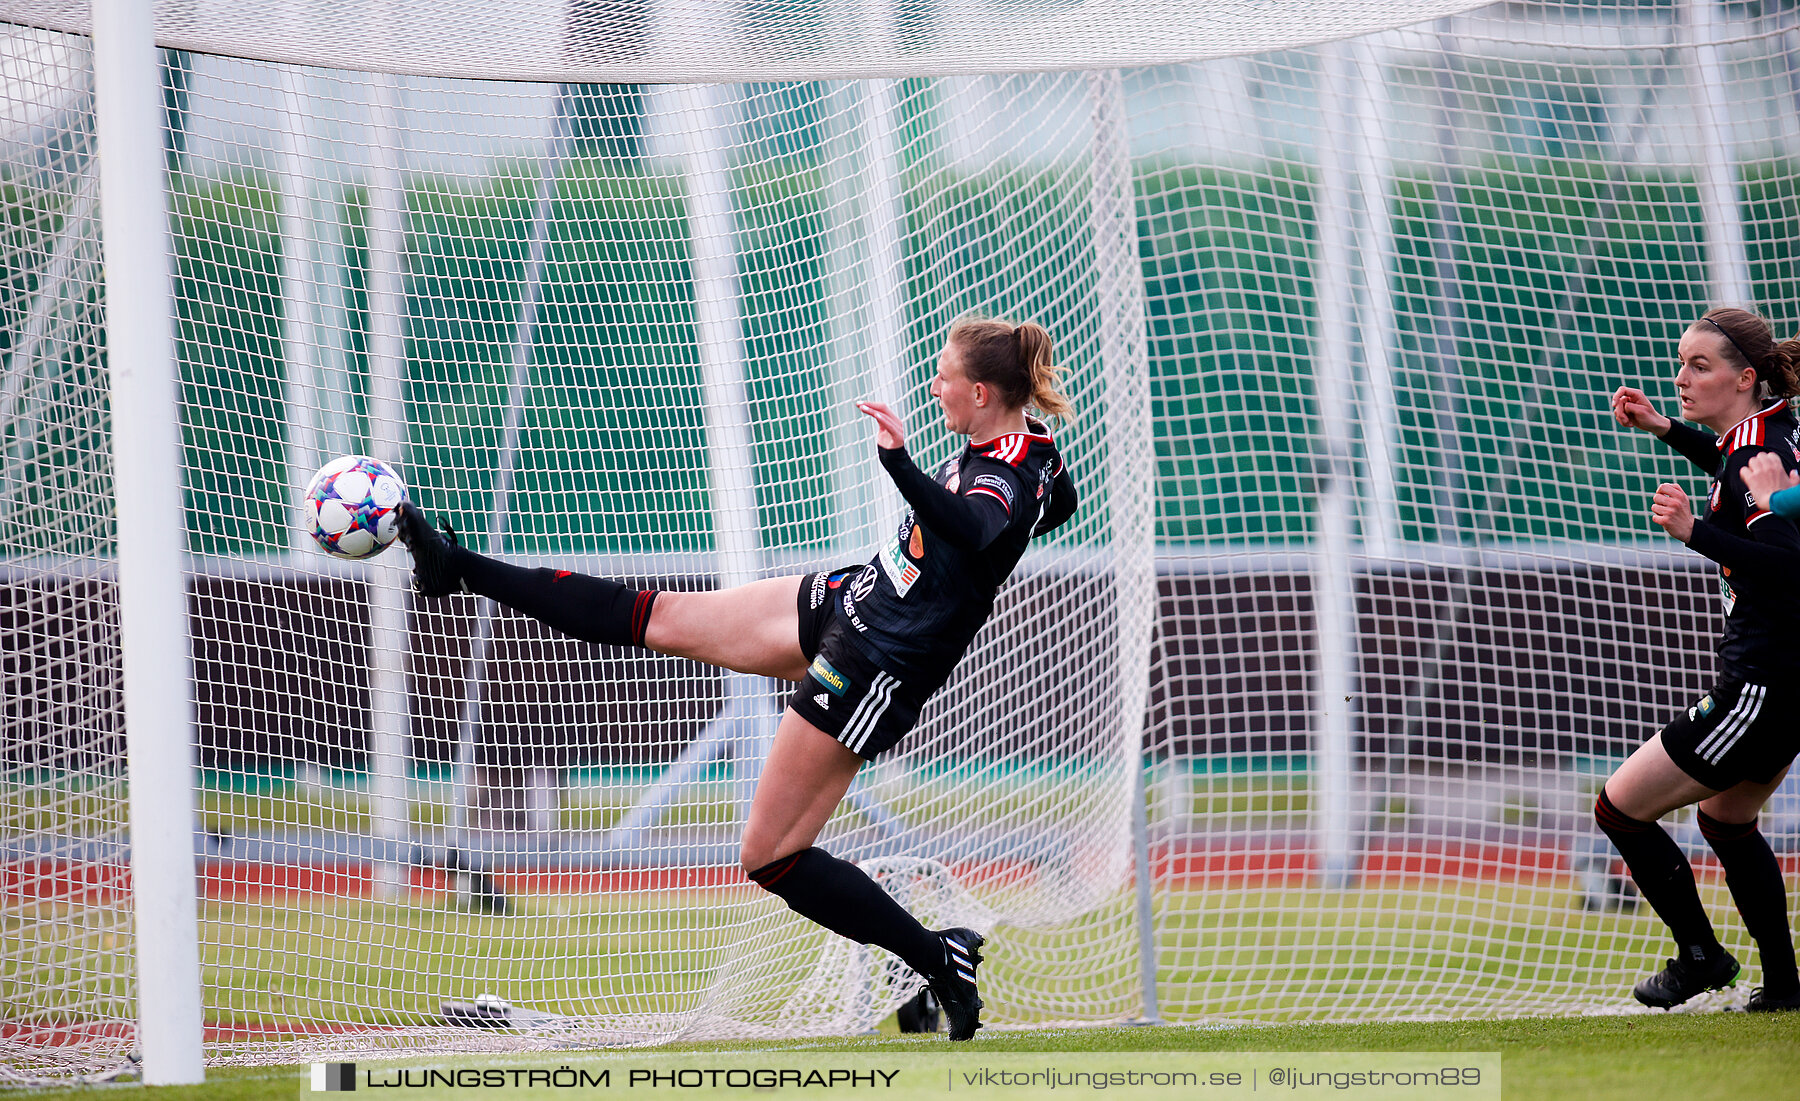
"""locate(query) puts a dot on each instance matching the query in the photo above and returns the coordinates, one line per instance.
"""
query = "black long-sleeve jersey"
(925, 594)
(1758, 552)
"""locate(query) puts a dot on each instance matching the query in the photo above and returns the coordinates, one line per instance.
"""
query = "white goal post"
(152, 592)
(1303, 711)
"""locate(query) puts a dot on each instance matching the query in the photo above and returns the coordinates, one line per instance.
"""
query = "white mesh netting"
(1342, 320)
(683, 40)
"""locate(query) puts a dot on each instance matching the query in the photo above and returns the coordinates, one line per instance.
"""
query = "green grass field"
(1680, 1057)
(1226, 953)
(1290, 958)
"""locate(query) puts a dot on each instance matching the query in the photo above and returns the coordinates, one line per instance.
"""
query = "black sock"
(1663, 876)
(840, 896)
(1754, 876)
(589, 608)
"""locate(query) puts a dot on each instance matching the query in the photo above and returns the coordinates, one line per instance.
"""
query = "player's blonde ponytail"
(1015, 361)
(1045, 374)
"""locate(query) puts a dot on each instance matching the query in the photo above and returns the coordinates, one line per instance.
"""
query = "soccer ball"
(352, 506)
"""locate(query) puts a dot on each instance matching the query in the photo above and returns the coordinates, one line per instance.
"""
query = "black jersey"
(1758, 552)
(926, 593)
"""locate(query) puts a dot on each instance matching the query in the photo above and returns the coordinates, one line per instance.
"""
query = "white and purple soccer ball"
(352, 506)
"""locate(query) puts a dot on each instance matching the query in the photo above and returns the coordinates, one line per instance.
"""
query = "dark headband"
(1734, 344)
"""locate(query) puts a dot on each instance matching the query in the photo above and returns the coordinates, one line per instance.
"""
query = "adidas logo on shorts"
(823, 701)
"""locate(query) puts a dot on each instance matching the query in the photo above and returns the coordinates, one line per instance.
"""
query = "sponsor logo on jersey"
(1712, 498)
(823, 672)
(994, 486)
(850, 614)
(901, 573)
(823, 701)
(817, 595)
(1728, 595)
(916, 545)
(865, 584)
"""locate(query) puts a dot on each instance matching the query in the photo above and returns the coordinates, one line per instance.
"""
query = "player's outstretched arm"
(970, 523)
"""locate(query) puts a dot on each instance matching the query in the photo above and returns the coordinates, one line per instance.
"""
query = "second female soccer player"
(1729, 751)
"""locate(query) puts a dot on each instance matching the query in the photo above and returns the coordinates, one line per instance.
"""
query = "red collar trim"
(1749, 430)
(1011, 448)
(989, 445)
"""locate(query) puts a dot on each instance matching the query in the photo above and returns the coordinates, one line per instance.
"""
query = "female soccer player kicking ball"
(869, 644)
(1730, 750)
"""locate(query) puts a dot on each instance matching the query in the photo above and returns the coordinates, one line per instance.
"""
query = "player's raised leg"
(751, 628)
(804, 779)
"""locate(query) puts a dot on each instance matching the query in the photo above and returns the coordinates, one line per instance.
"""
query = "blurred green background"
(1563, 280)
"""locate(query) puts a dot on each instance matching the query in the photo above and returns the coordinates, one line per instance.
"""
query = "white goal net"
(1300, 717)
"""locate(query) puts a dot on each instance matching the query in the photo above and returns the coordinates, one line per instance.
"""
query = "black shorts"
(818, 602)
(1738, 731)
(848, 692)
